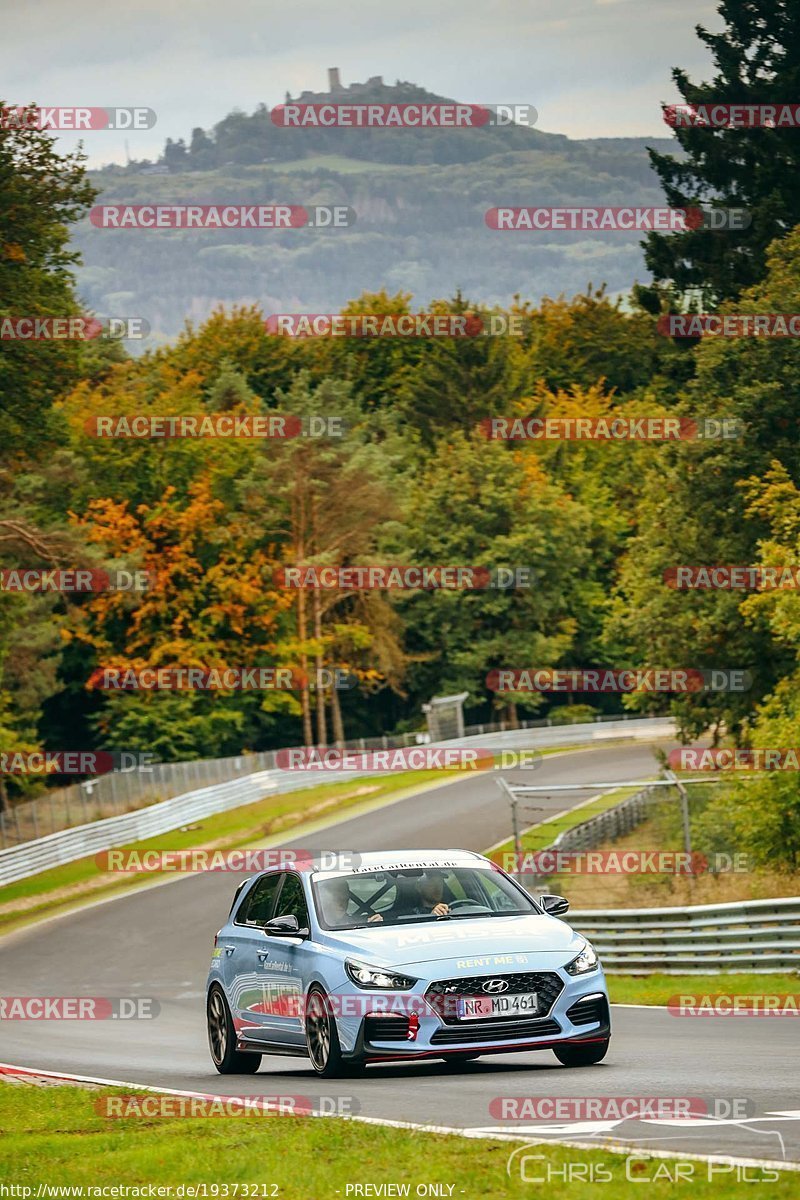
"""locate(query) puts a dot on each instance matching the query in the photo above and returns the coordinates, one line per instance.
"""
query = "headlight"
(586, 961)
(377, 977)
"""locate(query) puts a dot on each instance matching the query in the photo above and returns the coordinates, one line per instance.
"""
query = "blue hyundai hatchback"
(411, 955)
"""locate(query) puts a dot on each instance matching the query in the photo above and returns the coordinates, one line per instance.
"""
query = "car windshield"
(416, 894)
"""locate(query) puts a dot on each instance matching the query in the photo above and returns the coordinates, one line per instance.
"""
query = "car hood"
(465, 939)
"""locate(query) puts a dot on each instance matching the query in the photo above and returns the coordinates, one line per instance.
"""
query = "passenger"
(337, 902)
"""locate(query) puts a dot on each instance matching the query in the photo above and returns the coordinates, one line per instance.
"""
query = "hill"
(420, 197)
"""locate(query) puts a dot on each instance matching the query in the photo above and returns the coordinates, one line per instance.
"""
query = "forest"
(389, 463)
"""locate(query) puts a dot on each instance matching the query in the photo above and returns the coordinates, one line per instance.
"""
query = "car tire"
(582, 1056)
(322, 1039)
(222, 1038)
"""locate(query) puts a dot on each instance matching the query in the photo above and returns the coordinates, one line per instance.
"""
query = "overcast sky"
(592, 68)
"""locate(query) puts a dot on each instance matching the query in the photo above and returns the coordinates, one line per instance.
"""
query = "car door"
(242, 945)
(283, 965)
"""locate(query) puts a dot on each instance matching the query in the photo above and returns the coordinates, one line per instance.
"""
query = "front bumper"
(579, 1013)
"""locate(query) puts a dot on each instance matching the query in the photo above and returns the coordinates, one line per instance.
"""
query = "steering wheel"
(469, 903)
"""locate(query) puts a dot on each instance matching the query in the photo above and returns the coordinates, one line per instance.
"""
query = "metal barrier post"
(684, 799)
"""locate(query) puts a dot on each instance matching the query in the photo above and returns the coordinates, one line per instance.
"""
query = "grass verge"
(659, 989)
(64, 1142)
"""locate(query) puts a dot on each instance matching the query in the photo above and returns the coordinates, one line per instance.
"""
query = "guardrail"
(30, 858)
(122, 791)
(40, 854)
(607, 826)
(757, 936)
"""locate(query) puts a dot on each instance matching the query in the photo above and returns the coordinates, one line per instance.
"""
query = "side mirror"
(287, 926)
(554, 905)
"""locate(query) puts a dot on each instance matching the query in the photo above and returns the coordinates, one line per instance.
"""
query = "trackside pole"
(684, 798)
(514, 819)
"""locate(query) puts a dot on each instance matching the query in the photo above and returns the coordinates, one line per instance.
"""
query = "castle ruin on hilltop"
(335, 83)
(337, 88)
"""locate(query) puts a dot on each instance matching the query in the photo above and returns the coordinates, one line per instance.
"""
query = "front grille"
(495, 1031)
(441, 995)
(589, 1010)
(391, 1028)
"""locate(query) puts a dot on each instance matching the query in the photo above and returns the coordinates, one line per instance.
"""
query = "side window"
(292, 901)
(257, 908)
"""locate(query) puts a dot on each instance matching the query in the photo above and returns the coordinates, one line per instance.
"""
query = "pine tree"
(41, 194)
(757, 60)
(229, 389)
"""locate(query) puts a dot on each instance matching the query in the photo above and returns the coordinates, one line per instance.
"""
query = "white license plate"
(477, 1008)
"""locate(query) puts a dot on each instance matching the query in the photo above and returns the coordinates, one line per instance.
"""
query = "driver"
(429, 896)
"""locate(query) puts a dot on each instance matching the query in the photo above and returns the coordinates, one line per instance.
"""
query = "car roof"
(398, 860)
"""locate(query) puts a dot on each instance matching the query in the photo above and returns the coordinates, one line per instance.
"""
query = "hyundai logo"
(495, 985)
